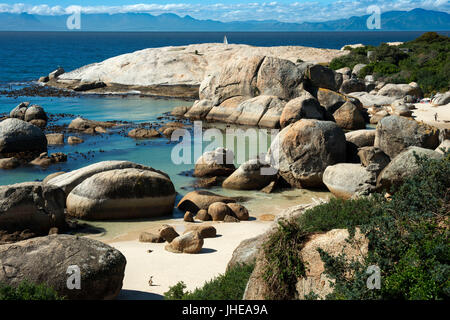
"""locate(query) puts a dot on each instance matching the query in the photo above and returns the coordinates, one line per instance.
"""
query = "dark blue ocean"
(26, 56)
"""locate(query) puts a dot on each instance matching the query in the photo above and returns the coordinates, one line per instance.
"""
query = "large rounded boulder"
(349, 117)
(302, 151)
(219, 162)
(122, 194)
(68, 181)
(395, 134)
(19, 136)
(52, 260)
(346, 180)
(31, 205)
(403, 166)
(303, 107)
(251, 175)
(35, 112)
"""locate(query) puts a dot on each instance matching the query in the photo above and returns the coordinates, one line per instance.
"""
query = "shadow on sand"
(138, 295)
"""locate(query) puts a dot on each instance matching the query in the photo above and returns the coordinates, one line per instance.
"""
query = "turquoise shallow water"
(152, 152)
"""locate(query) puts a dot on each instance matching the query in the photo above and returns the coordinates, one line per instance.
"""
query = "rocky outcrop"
(142, 133)
(191, 242)
(334, 242)
(49, 260)
(303, 107)
(349, 117)
(357, 69)
(199, 199)
(403, 166)
(18, 136)
(315, 281)
(361, 138)
(394, 134)
(303, 150)
(122, 194)
(31, 205)
(251, 175)
(182, 66)
(70, 180)
(346, 180)
(247, 251)
(219, 162)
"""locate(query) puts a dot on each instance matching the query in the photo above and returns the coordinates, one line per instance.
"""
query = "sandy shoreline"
(169, 268)
(425, 112)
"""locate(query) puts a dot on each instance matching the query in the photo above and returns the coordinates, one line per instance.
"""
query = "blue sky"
(223, 10)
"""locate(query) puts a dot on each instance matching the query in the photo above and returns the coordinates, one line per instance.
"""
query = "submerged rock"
(142, 133)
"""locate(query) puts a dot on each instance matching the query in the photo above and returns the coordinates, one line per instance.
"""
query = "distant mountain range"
(414, 20)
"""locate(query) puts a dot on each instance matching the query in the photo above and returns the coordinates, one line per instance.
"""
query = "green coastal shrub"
(228, 286)
(425, 60)
(408, 240)
(28, 291)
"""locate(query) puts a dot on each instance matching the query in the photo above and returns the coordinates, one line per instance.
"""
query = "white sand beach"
(169, 268)
(425, 112)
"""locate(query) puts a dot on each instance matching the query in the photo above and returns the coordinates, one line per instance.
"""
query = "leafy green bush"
(229, 286)
(408, 240)
(425, 60)
(28, 291)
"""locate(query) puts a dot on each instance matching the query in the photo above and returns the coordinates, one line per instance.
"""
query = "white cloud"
(309, 10)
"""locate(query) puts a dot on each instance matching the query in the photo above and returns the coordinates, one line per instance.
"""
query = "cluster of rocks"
(191, 241)
(23, 141)
(271, 92)
(52, 75)
(90, 126)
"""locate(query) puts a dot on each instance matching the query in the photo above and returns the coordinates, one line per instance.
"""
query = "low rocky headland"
(357, 137)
